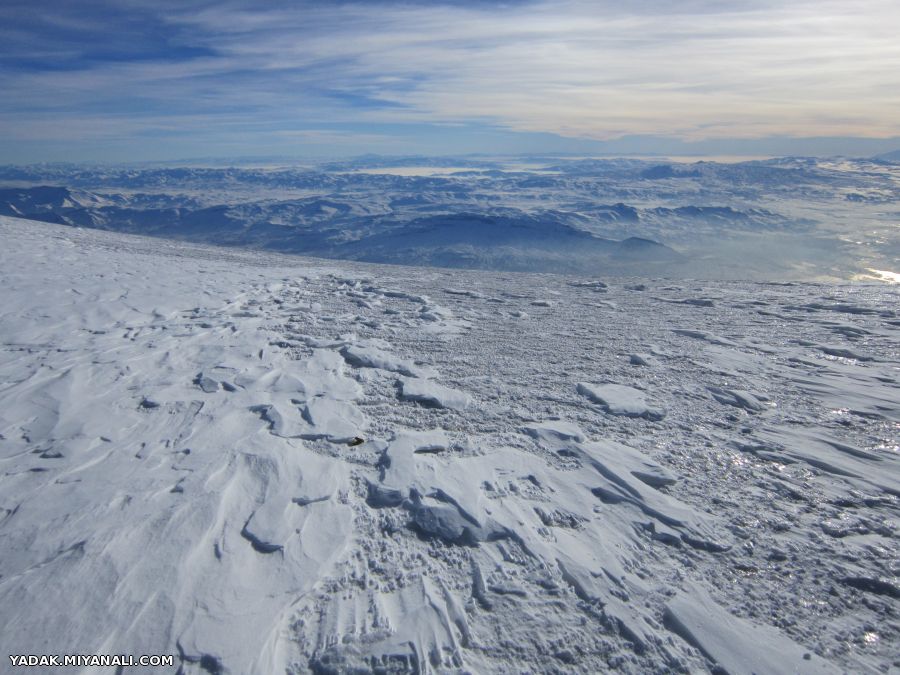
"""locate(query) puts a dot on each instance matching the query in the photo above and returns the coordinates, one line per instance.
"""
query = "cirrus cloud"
(591, 70)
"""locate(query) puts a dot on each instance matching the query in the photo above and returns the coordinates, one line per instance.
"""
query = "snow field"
(265, 464)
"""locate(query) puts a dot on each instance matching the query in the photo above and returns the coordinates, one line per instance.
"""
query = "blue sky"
(138, 80)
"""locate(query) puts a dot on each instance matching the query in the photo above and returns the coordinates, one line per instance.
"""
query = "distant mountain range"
(889, 156)
(509, 239)
(622, 216)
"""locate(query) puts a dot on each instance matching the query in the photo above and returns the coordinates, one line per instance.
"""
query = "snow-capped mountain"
(790, 218)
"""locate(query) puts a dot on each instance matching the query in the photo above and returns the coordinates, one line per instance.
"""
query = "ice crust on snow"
(269, 476)
(618, 399)
(370, 357)
(738, 646)
(737, 398)
(431, 393)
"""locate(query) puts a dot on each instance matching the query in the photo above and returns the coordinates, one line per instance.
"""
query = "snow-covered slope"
(264, 464)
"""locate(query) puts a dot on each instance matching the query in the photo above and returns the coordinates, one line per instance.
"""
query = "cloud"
(331, 138)
(595, 70)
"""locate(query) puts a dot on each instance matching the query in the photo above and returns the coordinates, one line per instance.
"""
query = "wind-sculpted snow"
(617, 399)
(266, 464)
(733, 643)
(433, 394)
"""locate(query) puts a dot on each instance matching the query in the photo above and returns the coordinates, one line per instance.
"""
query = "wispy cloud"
(594, 70)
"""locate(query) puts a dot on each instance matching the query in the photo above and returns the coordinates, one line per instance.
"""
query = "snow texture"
(617, 399)
(267, 464)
